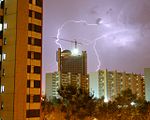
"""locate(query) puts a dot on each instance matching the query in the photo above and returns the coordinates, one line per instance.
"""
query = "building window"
(38, 28)
(38, 15)
(5, 26)
(37, 42)
(37, 56)
(39, 3)
(1, 19)
(4, 41)
(28, 98)
(29, 54)
(1, 26)
(32, 113)
(29, 69)
(30, 1)
(28, 83)
(37, 69)
(35, 28)
(36, 98)
(2, 88)
(30, 26)
(2, 4)
(4, 56)
(30, 13)
(37, 84)
(1, 34)
(29, 40)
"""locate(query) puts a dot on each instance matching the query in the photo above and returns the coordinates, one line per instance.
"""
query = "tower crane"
(71, 41)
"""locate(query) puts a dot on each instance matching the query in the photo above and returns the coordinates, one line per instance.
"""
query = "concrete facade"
(22, 63)
(147, 83)
(109, 84)
(54, 80)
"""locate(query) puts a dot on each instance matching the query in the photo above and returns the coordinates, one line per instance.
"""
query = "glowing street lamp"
(132, 103)
(106, 100)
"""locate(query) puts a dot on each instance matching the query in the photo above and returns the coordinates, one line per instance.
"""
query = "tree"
(128, 105)
(78, 102)
(47, 107)
(126, 98)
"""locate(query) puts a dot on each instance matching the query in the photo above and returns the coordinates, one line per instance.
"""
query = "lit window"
(1, 1)
(2, 88)
(4, 56)
(2, 4)
(1, 26)
(5, 26)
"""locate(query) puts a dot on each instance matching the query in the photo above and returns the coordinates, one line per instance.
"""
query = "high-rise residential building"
(147, 83)
(109, 84)
(21, 59)
(74, 64)
(53, 83)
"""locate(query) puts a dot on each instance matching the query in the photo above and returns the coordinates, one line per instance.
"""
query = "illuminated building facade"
(21, 63)
(53, 82)
(110, 83)
(75, 65)
(52, 85)
(147, 83)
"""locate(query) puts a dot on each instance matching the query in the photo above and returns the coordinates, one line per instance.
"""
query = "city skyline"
(122, 29)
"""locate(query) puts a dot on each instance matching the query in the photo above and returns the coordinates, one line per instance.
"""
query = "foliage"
(76, 104)
(77, 101)
(47, 106)
(125, 98)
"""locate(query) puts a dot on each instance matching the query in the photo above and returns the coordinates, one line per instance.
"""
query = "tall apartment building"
(21, 63)
(110, 83)
(68, 63)
(52, 85)
(147, 83)
(53, 82)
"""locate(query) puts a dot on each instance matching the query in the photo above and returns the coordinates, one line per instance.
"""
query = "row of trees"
(78, 104)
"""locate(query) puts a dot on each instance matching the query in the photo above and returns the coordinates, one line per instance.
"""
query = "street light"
(106, 100)
(132, 103)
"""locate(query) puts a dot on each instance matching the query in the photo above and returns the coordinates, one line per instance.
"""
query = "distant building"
(147, 83)
(72, 69)
(73, 64)
(52, 85)
(70, 63)
(53, 82)
(110, 83)
(20, 59)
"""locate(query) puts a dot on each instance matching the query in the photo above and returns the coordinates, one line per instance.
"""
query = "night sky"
(115, 33)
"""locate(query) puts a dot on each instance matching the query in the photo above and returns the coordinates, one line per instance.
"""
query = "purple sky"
(115, 33)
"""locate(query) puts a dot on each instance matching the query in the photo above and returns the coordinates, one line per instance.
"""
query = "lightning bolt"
(101, 37)
(60, 29)
(67, 22)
